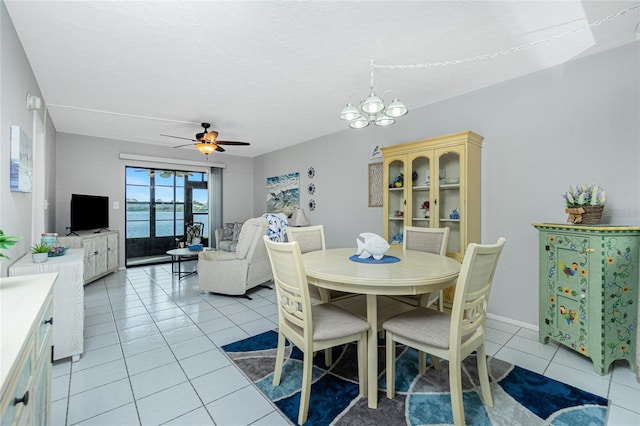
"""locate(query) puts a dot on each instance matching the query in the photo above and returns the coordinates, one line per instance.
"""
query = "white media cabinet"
(100, 252)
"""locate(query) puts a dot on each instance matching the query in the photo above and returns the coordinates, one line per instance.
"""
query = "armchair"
(235, 272)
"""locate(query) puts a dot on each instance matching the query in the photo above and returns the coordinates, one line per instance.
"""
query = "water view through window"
(159, 203)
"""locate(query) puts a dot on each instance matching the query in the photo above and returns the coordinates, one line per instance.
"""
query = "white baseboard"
(513, 322)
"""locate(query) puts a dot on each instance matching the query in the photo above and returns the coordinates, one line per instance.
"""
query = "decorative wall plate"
(311, 188)
(312, 205)
(311, 172)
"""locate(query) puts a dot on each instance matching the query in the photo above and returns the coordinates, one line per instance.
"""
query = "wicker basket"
(590, 216)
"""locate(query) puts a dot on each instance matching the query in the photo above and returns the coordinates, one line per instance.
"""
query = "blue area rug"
(520, 396)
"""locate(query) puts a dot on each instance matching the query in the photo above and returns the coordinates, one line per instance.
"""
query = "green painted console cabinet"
(589, 290)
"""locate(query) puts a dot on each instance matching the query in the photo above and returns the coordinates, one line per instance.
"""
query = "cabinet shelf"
(449, 220)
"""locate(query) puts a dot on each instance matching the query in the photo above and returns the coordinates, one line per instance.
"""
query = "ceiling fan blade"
(178, 137)
(220, 149)
(186, 144)
(232, 143)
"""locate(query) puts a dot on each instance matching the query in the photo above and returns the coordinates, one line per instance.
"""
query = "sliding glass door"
(159, 205)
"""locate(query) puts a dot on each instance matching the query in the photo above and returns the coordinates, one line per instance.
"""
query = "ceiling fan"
(207, 141)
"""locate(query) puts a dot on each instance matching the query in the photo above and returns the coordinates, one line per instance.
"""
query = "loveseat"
(235, 272)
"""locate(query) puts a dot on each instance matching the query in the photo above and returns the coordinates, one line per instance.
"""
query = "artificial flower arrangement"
(584, 195)
(584, 203)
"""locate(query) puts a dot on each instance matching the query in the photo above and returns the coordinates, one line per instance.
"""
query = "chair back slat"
(471, 297)
(289, 277)
(310, 238)
(430, 240)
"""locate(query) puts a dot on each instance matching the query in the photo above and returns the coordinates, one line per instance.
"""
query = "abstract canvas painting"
(283, 193)
(21, 161)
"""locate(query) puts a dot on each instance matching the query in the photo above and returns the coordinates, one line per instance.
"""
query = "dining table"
(415, 273)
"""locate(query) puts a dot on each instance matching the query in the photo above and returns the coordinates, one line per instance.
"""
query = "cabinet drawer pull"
(590, 250)
(95, 252)
(49, 321)
(24, 399)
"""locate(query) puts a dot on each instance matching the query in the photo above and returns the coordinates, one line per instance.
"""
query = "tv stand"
(100, 252)
(97, 231)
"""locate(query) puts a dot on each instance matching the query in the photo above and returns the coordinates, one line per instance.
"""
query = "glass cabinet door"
(396, 203)
(450, 205)
(419, 200)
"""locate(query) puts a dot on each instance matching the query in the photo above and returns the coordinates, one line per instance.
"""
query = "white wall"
(90, 165)
(16, 80)
(574, 123)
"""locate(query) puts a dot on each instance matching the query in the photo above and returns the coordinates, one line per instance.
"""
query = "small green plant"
(6, 241)
(40, 248)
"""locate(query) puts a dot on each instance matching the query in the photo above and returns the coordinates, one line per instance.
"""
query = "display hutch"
(588, 285)
(434, 183)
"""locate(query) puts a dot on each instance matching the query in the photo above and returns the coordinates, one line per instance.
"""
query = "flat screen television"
(89, 212)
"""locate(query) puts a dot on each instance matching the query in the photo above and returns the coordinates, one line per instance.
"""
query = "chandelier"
(373, 109)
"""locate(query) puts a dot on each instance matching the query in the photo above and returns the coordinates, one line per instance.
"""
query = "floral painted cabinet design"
(588, 287)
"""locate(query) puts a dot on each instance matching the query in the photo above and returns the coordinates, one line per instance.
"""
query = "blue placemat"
(385, 259)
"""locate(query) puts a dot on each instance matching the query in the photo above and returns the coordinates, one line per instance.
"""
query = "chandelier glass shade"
(373, 109)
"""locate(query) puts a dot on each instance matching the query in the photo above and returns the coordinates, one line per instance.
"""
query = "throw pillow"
(237, 227)
(227, 232)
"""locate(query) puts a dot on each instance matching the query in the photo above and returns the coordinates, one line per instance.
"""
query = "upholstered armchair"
(235, 272)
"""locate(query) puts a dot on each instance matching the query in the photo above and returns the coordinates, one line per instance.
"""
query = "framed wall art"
(21, 170)
(283, 193)
(375, 185)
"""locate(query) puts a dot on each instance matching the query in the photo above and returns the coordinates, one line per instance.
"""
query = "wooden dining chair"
(430, 240)
(311, 238)
(452, 337)
(310, 328)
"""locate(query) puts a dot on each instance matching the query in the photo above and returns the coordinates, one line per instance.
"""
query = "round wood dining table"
(417, 272)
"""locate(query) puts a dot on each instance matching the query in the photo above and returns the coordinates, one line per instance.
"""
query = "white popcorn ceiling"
(277, 73)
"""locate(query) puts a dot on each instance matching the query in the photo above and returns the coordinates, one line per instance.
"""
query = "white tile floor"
(152, 357)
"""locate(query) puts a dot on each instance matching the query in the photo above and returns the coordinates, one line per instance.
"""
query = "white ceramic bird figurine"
(373, 245)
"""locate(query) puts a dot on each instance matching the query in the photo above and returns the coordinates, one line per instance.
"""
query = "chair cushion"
(423, 325)
(330, 322)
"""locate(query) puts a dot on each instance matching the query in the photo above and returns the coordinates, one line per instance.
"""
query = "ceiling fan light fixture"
(205, 147)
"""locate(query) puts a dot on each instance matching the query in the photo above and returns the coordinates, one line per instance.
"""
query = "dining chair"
(452, 337)
(430, 240)
(310, 328)
(311, 238)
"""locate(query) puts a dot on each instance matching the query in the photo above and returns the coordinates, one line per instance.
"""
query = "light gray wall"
(574, 123)
(90, 165)
(16, 80)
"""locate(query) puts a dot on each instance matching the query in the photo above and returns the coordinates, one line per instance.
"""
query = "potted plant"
(40, 252)
(585, 203)
(6, 241)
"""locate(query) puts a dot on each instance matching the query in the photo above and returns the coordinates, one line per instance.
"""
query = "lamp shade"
(359, 123)
(350, 113)
(396, 109)
(372, 104)
(383, 119)
(298, 218)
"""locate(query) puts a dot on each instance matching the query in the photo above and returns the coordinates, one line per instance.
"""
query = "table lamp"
(298, 218)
